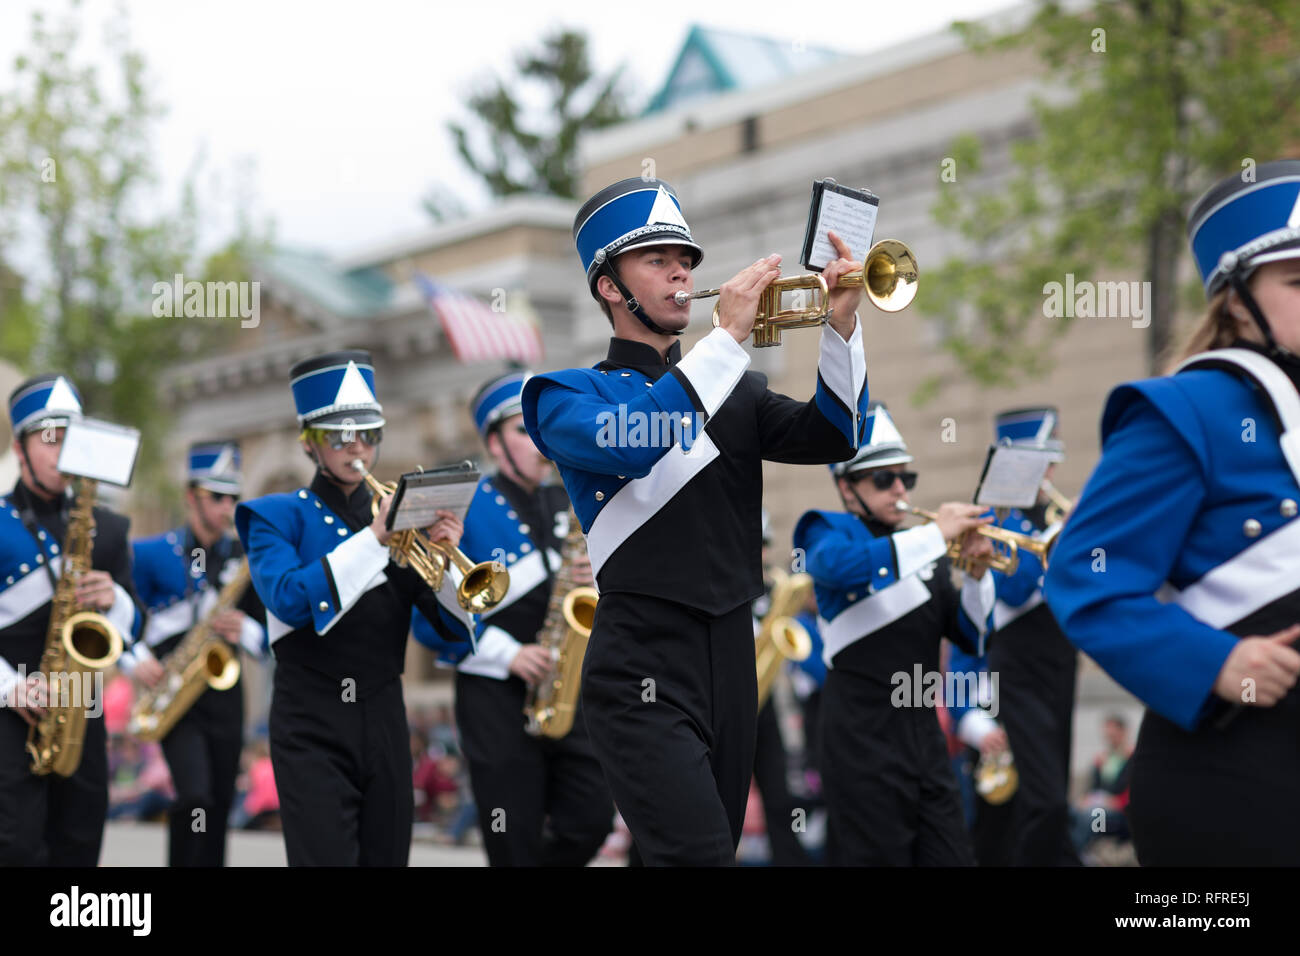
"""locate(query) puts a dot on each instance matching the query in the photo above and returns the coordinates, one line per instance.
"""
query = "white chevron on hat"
(353, 390)
(665, 210)
(62, 398)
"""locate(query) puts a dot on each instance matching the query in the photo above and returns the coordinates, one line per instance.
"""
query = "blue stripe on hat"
(499, 400)
(32, 405)
(318, 392)
(617, 223)
(1244, 217)
(216, 465)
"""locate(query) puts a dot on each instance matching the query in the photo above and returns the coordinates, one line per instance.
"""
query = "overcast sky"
(341, 105)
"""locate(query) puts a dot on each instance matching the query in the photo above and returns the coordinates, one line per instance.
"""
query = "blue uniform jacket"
(169, 584)
(864, 582)
(1191, 492)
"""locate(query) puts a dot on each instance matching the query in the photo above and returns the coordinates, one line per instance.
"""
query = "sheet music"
(427, 493)
(99, 450)
(1012, 477)
(854, 221)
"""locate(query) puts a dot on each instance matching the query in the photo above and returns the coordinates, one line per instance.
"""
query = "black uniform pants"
(891, 797)
(202, 753)
(1036, 672)
(342, 770)
(670, 696)
(541, 802)
(51, 820)
(1219, 796)
(771, 774)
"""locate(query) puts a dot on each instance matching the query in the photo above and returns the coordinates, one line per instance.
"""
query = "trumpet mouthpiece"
(359, 465)
(681, 298)
(902, 506)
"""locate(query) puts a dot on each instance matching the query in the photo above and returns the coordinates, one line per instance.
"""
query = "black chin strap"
(867, 514)
(1239, 286)
(633, 305)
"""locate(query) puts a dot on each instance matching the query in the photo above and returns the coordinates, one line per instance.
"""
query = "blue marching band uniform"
(1183, 543)
(1185, 540)
(673, 532)
(338, 614)
(50, 820)
(178, 591)
(541, 801)
(885, 598)
(1036, 667)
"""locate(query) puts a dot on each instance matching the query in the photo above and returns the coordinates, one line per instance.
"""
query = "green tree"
(513, 151)
(1168, 96)
(86, 233)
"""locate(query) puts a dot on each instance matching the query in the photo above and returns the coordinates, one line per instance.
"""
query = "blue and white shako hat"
(631, 214)
(336, 391)
(497, 400)
(1237, 226)
(1031, 428)
(884, 447)
(215, 465)
(46, 400)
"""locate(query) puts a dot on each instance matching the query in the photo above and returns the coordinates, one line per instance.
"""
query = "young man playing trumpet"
(885, 598)
(338, 615)
(673, 522)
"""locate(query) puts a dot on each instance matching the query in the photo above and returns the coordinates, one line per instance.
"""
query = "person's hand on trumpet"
(844, 300)
(738, 296)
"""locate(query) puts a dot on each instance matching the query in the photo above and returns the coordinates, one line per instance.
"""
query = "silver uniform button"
(41, 534)
(884, 572)
(511, 515)
(501, 499)
(600, 496)
(1251, 528)
(9, 580)
(523, 528)
(852, 596)
(511, 557)
(625, 374)
(525, 548)
(23, 568)
(318, 505)
(302, 495)
(343, 532)
(323, 606)
(622, 477)
(54, 548)
(329, 519)
(1288, 508)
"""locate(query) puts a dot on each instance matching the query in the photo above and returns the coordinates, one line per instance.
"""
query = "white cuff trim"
(713, 367)
(842, 364)
(917, 547)
(354, 565)
(974, 726)
(250, 636)
(122, 614)
(496, 651)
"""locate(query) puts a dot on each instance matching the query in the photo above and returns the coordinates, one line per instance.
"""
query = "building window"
(749, 135)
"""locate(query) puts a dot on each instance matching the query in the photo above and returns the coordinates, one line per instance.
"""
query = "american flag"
(480, 333)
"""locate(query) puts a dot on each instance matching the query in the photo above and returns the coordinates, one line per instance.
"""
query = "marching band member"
(520, 781)
(178, 575)
(672, 521)
(992, 827)
(771, 763)
(1035, 664)
(338, 615)
(1177, 569)
(50, 819)
(886, 598)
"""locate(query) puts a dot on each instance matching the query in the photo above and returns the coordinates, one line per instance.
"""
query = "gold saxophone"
(77, 643)
(780, 637)
(552, 702)
(201, 660)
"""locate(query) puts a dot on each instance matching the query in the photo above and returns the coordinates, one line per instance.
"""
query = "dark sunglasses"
(219, 497)
(884, 480)
(340, 438)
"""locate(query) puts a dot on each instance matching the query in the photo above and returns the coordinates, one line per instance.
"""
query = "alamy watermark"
(638, 429)
(1099, 300)
(62, 689)
(951, 689)
(209, 300)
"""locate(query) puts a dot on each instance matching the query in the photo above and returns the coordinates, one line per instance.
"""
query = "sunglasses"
(884, 480)
(340, 438)
(219, 497)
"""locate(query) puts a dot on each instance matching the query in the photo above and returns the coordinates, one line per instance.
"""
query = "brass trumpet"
(1058, 506)
(1006, 544)
(482, 585)
(889, 276)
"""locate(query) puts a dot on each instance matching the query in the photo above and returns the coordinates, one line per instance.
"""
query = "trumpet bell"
(890, 274)
(483, 586)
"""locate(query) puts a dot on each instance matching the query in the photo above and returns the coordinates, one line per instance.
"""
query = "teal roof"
(717, 61)
(348, 294)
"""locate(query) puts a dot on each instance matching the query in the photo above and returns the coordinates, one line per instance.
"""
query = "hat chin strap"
(634, 306)
(867, 513)
(1270, 343)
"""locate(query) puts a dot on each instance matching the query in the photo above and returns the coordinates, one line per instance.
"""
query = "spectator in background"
(140, 786)
(258, 804)
(1107, 789)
